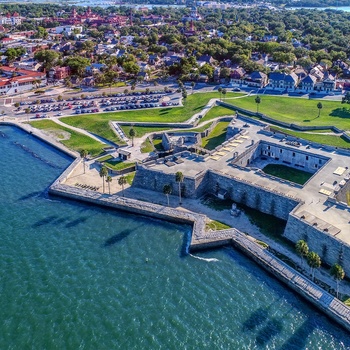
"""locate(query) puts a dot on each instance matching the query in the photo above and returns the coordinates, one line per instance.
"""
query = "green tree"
(103, 174)
(193, 84)
(257, 101)
(302, 249)
(224, 91)
(319, 106)
(47, 57)
(83, 154)
(167, 189)
(338, 273)
(220, 91)
(132, 134)
(41, 33)
(109, 180)
(208, 70)
(77, 64)
(122, 182)
(131, 68)
(346, 98)
(17, 104)
(13, 53)
(314, 261)
(179, 178)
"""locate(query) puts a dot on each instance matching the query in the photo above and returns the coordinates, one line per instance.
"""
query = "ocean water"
(75, 276)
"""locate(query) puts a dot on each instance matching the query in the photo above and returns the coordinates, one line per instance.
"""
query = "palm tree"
(314, 261)
(338, 273)
(83, 155)
(302, 249)
(224, 93)
(220, 90)
(319, 106)
(121, 182)
(257, 101)
(179, 178)
(103, 174)
(109, 180)
(132, 134)
(167, 190)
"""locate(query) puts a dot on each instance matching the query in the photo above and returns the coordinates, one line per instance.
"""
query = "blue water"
(81, 277)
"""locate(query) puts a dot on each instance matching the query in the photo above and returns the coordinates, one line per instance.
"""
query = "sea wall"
(314, 294)
(43, 137)
(155, 180)
(331, 249)
(247, 193)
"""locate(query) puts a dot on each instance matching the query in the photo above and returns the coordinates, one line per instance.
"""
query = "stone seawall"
(201, 239)
(41, 136)
(331, 306)
(253, 196)
(330, 249)
(132, 206)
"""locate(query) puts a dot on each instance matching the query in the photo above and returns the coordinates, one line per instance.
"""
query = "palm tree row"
(314, 262)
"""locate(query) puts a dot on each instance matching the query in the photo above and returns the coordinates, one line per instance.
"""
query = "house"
(205, 59)
(308, 83)
(237, 75)
(256, 79)
(328, 84)
(59, 73)
(283, 81)
(123, 154)
(153, 59)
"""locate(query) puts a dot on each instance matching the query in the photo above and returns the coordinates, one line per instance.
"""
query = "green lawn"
(299, 110)
(117, 164)
(218, 111)
(216, 137)
(98, 123)
(288, 173)
(70, 138)
(331, 140)
(147, 146)
(216, 225)
(142, 130)
(157, 143)
(130, 177)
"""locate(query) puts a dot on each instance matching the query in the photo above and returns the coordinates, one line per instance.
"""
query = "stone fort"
(316, 211)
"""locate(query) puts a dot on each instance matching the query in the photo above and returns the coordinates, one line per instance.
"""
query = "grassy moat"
(287, 173)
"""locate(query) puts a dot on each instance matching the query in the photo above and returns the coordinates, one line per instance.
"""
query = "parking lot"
(96, 103)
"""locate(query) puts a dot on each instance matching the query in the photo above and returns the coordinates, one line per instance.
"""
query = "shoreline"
(200, 239)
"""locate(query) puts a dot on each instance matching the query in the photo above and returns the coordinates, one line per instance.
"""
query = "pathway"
(82, 131)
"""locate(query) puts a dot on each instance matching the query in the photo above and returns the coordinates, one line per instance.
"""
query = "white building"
(14, 80)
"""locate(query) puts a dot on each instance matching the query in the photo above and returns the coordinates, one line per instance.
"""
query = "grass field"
(216, 225)
(331, 140)
(147, 146)
(298, 110)
(216, 137)
(218, 111)
(98, 123)
(142, 130)
(287, 173)
(116, 164)
(70, 138)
